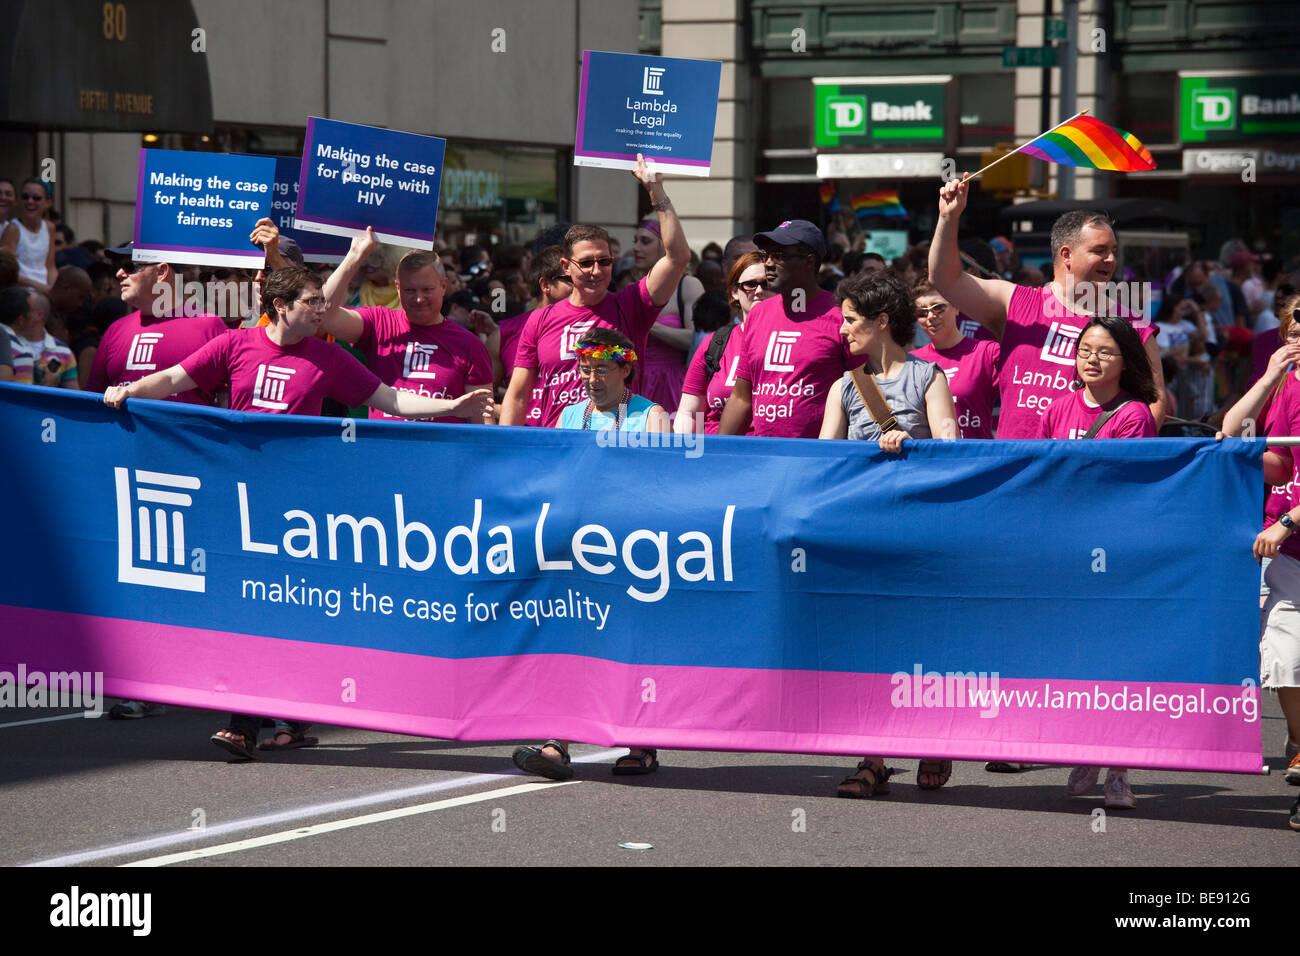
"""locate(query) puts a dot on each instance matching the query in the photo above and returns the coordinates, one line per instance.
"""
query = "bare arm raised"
(984, 300)
(343, 323)
(668, 271)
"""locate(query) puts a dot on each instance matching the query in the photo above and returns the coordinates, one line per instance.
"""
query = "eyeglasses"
(783, 255)
(931, 311)
(752, 285)
(33, 197)
(586, 265)
(559, 278)
(131, 268)
(593, 371)
(315, 302)
(1102, 355)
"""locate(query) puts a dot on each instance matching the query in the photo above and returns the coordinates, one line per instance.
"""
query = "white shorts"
(1279, 638)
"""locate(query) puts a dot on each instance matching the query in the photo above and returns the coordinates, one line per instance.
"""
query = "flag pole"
(971, 179)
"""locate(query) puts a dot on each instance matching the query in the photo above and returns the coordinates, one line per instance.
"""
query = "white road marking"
(302, 832)
(298, 813)
(42, 720)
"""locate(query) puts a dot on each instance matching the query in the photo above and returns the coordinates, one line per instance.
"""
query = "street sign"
(1029, 56)
(1057, 30)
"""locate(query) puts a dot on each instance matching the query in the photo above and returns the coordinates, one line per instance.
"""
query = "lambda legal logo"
(140, 356)
(418, 360)
(569, 340)
(268, 390)
(652, 81)
(151, 530)
(780, 348)
(1059, 347)
(969, 327)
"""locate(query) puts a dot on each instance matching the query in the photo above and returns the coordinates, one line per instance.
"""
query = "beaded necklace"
(619, 414)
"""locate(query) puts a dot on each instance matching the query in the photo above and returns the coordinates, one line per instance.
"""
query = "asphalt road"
(156, 792)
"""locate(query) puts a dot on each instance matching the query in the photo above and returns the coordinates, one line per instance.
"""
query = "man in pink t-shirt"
(282, 368)
(1037, 327)
(792, 352)
(414, 349)
(155, 336)
(545, 379)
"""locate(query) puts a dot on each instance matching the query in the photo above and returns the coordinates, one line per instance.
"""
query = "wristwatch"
(1287, 522)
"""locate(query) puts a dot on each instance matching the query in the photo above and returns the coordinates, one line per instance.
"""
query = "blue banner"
(201, 207)
(798, 595)
(661, 107)
(316, 246)
(357, 176)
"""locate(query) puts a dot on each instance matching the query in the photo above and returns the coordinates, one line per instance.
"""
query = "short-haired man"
(38, 357)
(157, 335)
(1037, 327)
(793, 351)
(545, 379)
(415, 348)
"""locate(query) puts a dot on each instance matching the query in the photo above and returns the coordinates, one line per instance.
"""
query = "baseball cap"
(1241, 257)
(792, 231)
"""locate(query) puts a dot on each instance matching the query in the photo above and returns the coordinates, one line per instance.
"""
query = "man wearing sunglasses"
(793, 351)
(157, 335)
(545, 379)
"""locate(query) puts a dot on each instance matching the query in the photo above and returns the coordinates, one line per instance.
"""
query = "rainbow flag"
(830, 197)
(1088, 142)
(882, 203)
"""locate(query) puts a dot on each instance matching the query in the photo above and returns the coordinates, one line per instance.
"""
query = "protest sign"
(661, 107)
(201, 207)
(315, 246)
(183, 554)
(357, 176)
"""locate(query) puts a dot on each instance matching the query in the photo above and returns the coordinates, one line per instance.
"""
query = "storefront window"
(986, 108)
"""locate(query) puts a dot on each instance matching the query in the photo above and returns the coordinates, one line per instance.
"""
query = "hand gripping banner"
(1065, 602)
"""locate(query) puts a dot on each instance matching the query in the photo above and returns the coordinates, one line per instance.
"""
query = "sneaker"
(1291, 749)
(1119, 795)
(1082, 780)
(1293, 771)
(1295, 814)
(135, 709)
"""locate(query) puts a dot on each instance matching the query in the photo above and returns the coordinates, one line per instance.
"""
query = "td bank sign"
(882, 111)
(1222, 107)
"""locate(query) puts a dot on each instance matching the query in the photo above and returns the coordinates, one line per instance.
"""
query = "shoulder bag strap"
(874, 400)
(1103, 419)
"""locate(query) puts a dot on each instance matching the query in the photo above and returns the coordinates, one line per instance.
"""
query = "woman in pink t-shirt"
(746, 285)
(970, 365)
(1113, 389)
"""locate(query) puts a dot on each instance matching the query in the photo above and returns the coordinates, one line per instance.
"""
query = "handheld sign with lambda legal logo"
(660, 107)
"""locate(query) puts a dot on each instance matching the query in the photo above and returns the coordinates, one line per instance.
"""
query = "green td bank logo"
(1214, 109)
(845, 115)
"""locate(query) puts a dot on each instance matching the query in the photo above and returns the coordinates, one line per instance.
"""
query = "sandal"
(645, 762)
(532, 760)
(940, 768)
(879, 782)
(236, 743)
(1001, 766)
(296, 739)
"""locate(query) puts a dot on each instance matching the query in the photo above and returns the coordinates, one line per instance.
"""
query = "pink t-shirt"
(971, 367)
(550, 334)
(511, 329)
(1036, 357)
(1281, 417)
(791, 360)
(1070, 416)
(133, 347)
(715, 392)
(437, 361)
(287, 381)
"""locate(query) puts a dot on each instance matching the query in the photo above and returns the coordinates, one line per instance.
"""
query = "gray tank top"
(905, 394)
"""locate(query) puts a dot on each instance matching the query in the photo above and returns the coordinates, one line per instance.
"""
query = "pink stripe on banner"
(582, 101)
(632, 157)
(1171, 726)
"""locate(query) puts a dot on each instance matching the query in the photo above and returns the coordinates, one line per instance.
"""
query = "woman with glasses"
(545, 379)
(606, 366)
(669, 345)
(711, 376)
(1113, 389)
(1272, 407)
(30, 238)
(971, 365)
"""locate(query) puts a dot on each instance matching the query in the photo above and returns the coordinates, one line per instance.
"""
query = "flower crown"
(606, 353)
